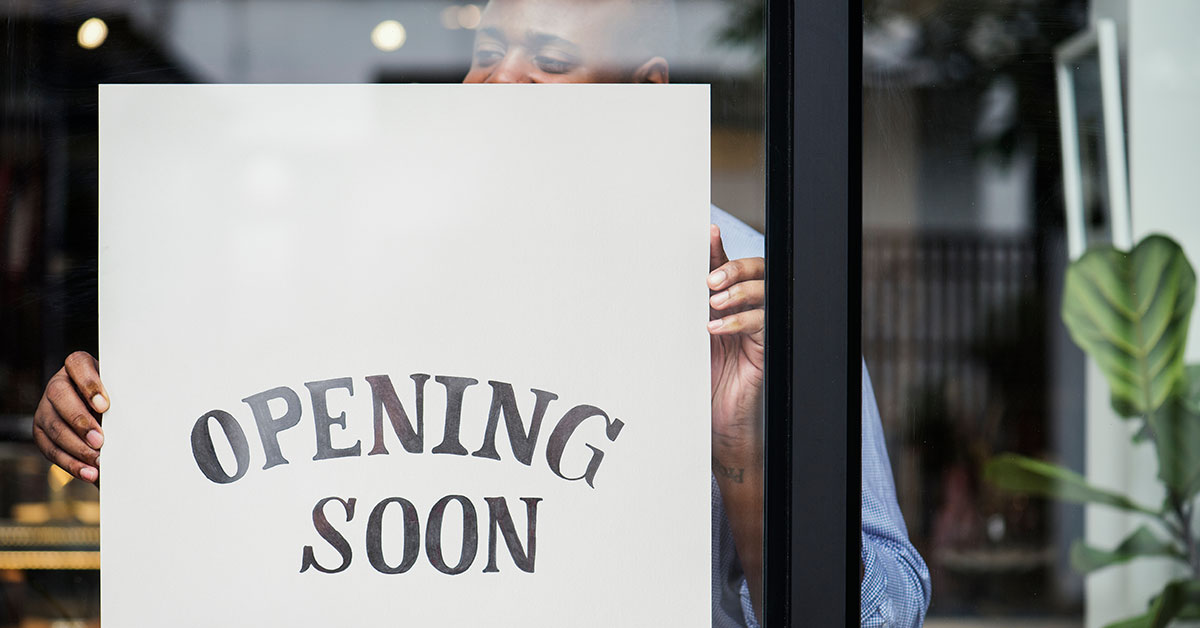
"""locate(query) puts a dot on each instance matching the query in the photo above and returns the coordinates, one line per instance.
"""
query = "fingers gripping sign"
(738, 296)
(66, 425)
(736, 327)
(738, 292)
(85, 374)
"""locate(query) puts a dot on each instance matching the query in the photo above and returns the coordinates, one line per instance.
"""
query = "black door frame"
(814, 256)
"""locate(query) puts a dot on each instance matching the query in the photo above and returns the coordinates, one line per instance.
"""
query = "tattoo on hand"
(732, 474)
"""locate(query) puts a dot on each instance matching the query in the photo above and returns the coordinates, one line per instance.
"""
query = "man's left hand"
(737, 336)
(737, 339)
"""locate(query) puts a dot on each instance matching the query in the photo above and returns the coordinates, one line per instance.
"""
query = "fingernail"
(88, 473)
(716, 278)
(95, 439)
(100, 403)
(715, 325)
(719, 298)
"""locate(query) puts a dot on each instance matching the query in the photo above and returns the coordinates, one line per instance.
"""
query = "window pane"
(988, 169)
(57, 54)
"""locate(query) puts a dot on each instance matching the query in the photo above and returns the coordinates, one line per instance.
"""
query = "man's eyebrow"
(493, 32)
(538, 39)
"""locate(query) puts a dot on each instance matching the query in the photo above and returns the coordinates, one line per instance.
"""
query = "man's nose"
(513, 68)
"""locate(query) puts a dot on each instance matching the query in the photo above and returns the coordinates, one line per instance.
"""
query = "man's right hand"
(66, 426)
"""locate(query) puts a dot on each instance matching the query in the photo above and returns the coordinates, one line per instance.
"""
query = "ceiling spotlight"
(92, 33)
(469, 16)
(388, 35)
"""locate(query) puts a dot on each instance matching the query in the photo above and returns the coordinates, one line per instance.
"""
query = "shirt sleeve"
(730, 594)
(731, 606)
(895, 584)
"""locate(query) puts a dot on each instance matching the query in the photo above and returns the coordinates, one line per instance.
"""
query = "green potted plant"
(1129, 311)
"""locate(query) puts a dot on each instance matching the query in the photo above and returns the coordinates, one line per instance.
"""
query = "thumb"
(716, 249)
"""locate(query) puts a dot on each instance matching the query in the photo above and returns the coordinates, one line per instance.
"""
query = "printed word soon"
(405, 521)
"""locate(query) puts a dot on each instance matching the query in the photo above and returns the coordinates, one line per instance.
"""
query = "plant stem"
(1184, 512)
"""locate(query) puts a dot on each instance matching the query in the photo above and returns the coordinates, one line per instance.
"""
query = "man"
(581, 41)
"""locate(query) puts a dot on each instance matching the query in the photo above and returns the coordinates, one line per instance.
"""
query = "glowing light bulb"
(469, 16)
(389, 35)
(92, 33)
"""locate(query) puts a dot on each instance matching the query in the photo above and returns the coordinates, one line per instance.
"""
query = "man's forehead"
(574, 20)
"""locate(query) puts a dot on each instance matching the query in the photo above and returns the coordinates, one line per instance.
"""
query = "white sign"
(422, 355)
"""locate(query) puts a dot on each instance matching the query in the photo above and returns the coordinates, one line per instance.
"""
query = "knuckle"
(39, 415)
(49, 449)
(56, 387)
(81, 420)
(78, 358)
(54, 430)
(63, 390)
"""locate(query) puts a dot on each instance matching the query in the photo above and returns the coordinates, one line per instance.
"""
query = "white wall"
(1164, 125)
(1163, 97)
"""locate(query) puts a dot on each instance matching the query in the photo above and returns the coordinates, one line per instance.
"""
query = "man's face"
(560, 41)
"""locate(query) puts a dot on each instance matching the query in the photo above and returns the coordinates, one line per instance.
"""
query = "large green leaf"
(1190, 611)
(1140, 621)
(1034, 477)
(1192, 382)
(1177, 600)
(1130, 313)
(1176, 429)
(1143, 542)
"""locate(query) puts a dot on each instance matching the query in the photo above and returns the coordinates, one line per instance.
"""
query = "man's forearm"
(740, 478)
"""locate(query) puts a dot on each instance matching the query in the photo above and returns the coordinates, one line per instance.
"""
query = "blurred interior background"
(964, 243)
(964, 252)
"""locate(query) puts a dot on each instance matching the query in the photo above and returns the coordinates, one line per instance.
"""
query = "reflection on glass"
(1093, 163)
(92, 33)
(963, 253)
(389, 35)
(54, 61)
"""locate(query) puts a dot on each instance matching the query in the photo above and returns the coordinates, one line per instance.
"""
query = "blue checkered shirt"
(895, 584)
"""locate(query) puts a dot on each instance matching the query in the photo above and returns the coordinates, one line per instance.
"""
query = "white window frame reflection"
(1100, 40)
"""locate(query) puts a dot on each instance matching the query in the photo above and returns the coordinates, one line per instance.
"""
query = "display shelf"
(49, 537)
(50, 559)
(24, 546)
